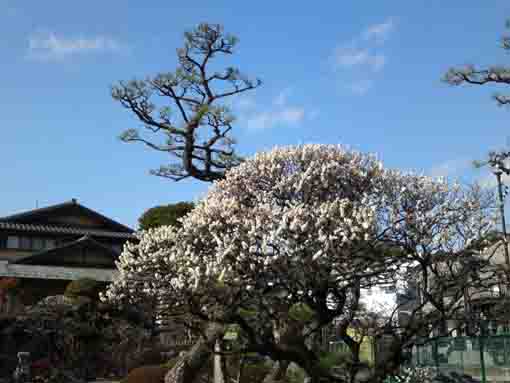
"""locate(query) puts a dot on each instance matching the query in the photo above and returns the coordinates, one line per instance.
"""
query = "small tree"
(312, 227)
(496, 74)
(497, 161)
(197, 124)
(164, 215)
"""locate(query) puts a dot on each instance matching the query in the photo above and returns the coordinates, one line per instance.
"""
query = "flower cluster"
(416, 375)
(309, 224)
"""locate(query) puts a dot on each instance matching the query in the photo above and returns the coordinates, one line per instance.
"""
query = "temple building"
(48, 247)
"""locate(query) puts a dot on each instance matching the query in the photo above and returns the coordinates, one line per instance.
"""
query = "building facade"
(48, 247)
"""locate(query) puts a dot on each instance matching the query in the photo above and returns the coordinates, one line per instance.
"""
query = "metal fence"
(483, 357)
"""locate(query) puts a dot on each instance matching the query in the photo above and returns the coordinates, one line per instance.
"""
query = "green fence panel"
(486, 358)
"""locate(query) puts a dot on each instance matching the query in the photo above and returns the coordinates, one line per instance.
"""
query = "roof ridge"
(64, 229)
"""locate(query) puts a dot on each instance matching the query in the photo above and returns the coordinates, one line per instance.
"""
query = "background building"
(44, 249)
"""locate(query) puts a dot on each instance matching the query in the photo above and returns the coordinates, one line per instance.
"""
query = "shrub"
(165, 215)
(146, 374)
(84, 288)
(255, 372)
(171, 363)
(295, 374)
(338, 358)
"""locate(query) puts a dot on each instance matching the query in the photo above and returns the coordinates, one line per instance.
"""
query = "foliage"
(84, 287)
(301, 312)
(196, 126)
(496, 74)
(164, 215)
(341, 358)
(170, 363)
(313, 225)
(295, 375)
(254, 372)
(80, 338)
(146, 374)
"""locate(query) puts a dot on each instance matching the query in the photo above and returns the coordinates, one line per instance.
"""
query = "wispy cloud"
(352, 56)
(50, 46)
(379, 32)
(280, 113)
(266, 120)
(363, 55)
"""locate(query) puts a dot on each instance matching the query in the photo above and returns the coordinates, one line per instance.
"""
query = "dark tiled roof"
(64, 230)
(28, 216)
(42, 257)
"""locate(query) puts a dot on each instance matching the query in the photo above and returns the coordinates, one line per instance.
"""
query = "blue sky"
(361, 73)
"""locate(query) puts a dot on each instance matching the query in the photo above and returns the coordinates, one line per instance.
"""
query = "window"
(26, 243)
(12, 242)
(38, 243)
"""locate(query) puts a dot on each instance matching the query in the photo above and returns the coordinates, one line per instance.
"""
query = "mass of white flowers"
(416, 375)
(306, 222)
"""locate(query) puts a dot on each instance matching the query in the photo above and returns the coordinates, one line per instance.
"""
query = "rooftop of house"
(68, 217)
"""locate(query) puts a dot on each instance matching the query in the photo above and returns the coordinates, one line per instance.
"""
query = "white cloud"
(362, 57)
(286, 116)
(50, 46)
(352, 56)
(379, 32)
(279, 113)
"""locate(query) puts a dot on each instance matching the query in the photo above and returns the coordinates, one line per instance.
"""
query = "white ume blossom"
(308, 220)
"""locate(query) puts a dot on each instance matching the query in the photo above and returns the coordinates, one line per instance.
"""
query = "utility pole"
(497, 162)
(498, 173)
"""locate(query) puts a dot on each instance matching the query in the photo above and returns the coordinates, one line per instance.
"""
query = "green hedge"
(84, 288)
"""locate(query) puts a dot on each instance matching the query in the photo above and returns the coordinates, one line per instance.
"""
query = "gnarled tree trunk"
(277, 373)
(192, 363)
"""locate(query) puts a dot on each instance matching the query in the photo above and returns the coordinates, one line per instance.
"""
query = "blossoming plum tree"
(306, 230)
